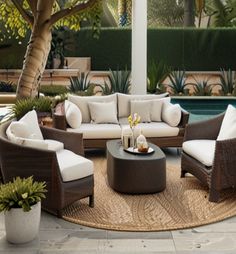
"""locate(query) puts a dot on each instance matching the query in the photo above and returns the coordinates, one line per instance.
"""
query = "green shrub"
(53, 90)
(202, 88)
(80, 84)
(21, 193)
(23, 106)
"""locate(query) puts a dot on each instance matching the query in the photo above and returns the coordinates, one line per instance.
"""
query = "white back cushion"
(73, 114)
(82, 103)
(142, 108)
(18, 129)
(228, 126)
(103, 112)
(171, 113)
(124, 101)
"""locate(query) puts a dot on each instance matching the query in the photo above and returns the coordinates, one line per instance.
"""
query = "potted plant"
(20, 200)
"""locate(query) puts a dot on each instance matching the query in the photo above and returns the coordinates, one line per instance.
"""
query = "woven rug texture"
(183, 204)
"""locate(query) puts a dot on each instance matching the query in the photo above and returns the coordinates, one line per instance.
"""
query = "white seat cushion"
(54, 145)
(98, 131)
(228, 126)
(73, 114)
(201, 150)
(73, 166)
(82, 103)
(155, 130)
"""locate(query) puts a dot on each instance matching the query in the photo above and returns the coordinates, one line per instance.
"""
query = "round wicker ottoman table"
(135, 173)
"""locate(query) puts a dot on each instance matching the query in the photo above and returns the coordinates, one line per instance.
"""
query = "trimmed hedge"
(189, 49)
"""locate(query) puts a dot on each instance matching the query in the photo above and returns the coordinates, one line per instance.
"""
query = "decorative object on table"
(141, 143)
(133, 120)
(127, 137)
(133, 150)
(21, 202)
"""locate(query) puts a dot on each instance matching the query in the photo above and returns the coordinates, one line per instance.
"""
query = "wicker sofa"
(96, 135)
(209, 152)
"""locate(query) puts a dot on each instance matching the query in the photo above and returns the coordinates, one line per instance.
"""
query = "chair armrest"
(207, 129)
(17, 160)
(184, 118)
(58, 116)
(223, 170)
(72, 141)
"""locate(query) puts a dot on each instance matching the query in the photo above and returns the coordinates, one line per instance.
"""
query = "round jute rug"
(183, 204)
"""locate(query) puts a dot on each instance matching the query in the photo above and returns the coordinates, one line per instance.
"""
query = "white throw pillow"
(18, 129)
(125, 99)
(82, 103)
(142, 108)
(103, 112)
(156, 108)
(31, 120)
(228, 126)
(171, 113)
(73, 115)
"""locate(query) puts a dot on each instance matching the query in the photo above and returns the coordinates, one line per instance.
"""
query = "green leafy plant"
(53, 90)
(7, 87)
(105, 88)
(202, 88)
(178, 82)
(21, 193)
(21, 107)
(81, 84)
(227, 82)
(119, 81)
(157, 73)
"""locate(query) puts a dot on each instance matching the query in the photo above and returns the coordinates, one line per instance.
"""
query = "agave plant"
(80, 84)
(202, 88)
(178, 82)
(119, 81)
(7, 87)
(157, 72)
(21, 107)
(227, 82)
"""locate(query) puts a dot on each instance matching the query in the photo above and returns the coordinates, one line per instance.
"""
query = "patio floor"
(59, 236)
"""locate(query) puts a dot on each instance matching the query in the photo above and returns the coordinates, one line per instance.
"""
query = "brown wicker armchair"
(17, 160)
(222, 173)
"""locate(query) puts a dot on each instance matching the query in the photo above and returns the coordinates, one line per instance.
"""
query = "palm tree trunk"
(122, 11)
(34, 62)
(189, 16)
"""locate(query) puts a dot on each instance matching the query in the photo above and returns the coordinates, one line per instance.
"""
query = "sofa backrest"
(82, 103)
(124, 101)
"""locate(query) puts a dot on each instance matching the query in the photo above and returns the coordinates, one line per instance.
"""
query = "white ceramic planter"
(22, 227)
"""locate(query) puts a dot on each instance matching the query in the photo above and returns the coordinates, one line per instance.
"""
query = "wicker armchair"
(17, 160)
(222, 173)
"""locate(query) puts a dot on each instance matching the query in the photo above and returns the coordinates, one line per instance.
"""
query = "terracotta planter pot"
(22, 227)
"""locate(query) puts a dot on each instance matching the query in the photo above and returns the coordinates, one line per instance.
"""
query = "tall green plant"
(178, 82)
(157, 72)
(81, 84)
(21, 193)
(119, 81)
(202, 87)
(227, 82)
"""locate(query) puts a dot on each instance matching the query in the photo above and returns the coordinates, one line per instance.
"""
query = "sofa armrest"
(58, 116)
(207, 129)
(223, 170)
(184, 118)
(72, 141)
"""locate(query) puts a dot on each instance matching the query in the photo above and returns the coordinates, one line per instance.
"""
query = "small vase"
(22, 227)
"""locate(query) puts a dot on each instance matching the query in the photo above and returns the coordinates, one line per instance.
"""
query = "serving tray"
(135, 151)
